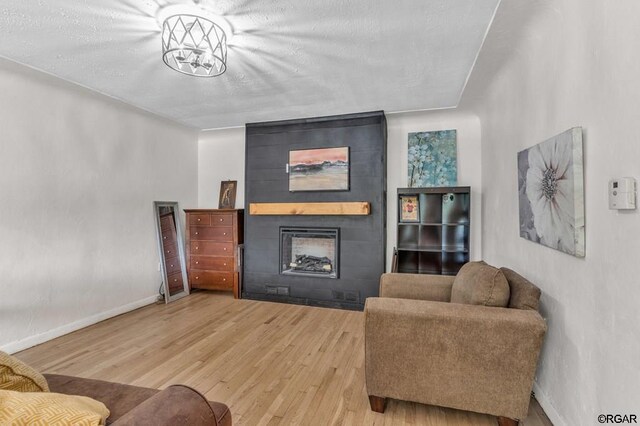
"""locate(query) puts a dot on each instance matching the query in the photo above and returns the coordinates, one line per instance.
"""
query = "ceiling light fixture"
(194, 45)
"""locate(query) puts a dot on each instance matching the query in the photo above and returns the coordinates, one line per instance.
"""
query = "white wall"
(221, 157)
(78, 176)
(547, 66)
(469, 173)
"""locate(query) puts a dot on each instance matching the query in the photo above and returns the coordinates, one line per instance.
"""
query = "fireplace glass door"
(309, 252)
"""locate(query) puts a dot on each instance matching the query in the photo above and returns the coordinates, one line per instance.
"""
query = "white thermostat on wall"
(622, 193)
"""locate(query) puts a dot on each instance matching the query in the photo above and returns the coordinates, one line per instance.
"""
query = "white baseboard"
(31, 341)
(546, 405)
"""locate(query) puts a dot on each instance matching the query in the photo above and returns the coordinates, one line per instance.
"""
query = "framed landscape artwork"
(551, 193)
(433, 159)
(322, 169)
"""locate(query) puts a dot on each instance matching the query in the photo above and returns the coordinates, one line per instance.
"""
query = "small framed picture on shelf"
(409, 209)
(227, 194)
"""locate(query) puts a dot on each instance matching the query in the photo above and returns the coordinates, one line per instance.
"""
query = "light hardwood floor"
(271, 363)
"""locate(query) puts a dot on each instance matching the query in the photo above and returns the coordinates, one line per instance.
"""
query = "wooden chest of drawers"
(213, 237)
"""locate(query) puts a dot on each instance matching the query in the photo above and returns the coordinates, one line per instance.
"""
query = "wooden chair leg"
(505, 421)
(378, 404)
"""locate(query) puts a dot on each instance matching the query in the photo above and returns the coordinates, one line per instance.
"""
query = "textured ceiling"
(287, 58)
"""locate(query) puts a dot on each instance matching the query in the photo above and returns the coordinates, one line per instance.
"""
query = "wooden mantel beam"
(361, 208)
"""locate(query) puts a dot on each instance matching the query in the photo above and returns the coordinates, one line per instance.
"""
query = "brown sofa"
(421, 347)
(132, 405)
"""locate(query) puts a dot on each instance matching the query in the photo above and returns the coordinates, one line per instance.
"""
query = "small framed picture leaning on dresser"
(227, 198)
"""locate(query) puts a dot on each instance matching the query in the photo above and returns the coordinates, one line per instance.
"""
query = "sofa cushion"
(480, 284)
(48, 408)
(524, 294)
(15, 375)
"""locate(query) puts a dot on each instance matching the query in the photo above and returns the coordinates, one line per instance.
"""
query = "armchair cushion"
(436, 288)
(480, 284)
(524, 294)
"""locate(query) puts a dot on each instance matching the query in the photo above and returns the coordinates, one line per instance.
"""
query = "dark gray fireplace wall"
(362, 238)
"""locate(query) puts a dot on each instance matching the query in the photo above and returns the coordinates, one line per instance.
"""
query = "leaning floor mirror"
(171, 250)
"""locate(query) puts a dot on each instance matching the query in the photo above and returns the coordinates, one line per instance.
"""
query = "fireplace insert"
(309, 251)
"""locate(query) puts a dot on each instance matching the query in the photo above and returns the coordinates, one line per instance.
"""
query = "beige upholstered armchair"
(470, 342)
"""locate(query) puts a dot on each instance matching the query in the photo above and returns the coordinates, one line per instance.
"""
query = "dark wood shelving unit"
(438, 243)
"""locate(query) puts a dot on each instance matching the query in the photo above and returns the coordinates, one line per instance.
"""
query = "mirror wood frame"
(157, 206)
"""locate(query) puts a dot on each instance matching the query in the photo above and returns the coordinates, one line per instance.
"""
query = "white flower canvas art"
(551, 193)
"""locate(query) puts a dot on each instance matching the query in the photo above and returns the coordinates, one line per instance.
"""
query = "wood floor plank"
(273, 364)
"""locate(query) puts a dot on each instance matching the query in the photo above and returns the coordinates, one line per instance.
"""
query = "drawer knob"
(170, 266)
(224, 264)
(198, 219)
(224, 249)
(224, 279)
(196, 233)
(221, 220)
(164, 238)
(168, 251)
(224, 233)
(197, 247)
(175, 279)
(197, 263)
(197, 278)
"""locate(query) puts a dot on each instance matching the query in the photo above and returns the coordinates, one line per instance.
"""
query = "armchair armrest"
(468, 357)
(436, 288)
(176, 405)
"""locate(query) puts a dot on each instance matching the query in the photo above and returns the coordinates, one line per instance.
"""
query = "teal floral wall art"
(433, 159)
